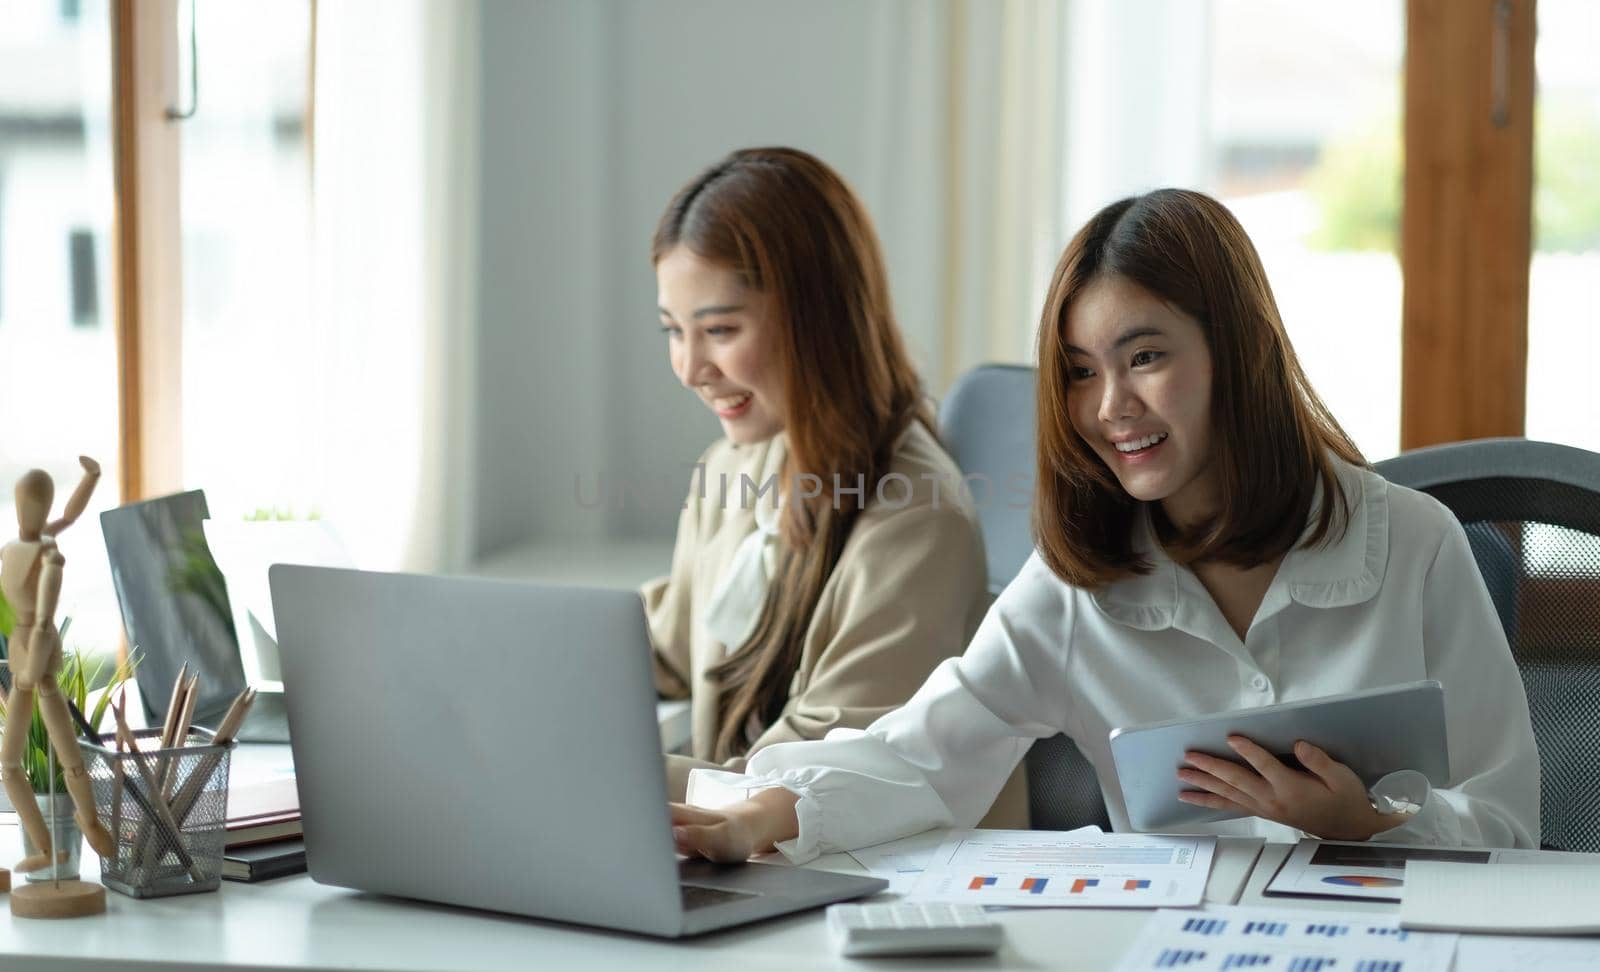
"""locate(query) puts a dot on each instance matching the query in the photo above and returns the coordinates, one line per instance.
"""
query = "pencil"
(180, 736)
(157, 813)
(189, 794)
(173, 705)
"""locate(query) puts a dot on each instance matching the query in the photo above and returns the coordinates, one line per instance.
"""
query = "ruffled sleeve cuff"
(713, 789)
(848, 794)
(852, 790)
(806, 844)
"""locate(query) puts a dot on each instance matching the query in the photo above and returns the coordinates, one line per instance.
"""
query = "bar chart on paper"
(1279, 941)
(1044, 869)
(1078, 885)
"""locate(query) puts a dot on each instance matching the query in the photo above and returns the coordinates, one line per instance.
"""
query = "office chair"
(987, 423)
(1531, 511)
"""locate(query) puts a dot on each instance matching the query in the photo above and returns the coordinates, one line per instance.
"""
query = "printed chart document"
(1284, 941)
(1376, 871)
(1516, 899)
(1047, 869)
(901, 862)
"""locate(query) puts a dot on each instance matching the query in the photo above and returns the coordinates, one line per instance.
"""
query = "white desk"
(295, 923)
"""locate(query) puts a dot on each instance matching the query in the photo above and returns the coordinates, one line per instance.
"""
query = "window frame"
(1467, 219)
(148, 265)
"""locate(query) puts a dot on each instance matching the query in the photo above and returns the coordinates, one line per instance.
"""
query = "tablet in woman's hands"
(1374, 732)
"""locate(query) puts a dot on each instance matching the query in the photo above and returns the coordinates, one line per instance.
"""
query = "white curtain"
(1139, 105)
(1007, 180)
(967, 118)
(394, 232)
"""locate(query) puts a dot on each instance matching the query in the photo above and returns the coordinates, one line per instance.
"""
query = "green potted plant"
(75, 679)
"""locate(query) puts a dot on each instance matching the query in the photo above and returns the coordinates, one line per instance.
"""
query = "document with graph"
(1046, 869)
(1272, 940)
(1377, 871)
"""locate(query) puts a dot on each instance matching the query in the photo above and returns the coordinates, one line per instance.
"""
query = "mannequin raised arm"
(80, 497)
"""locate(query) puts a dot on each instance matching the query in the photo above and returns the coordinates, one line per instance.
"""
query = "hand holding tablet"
(1309, 791)
(1373, 733)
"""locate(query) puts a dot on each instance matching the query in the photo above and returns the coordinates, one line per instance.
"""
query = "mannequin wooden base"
(66, 899)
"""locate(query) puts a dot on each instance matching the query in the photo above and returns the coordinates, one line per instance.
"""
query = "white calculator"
(913, 929)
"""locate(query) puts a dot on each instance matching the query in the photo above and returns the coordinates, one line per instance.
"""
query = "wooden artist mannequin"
(30, 575)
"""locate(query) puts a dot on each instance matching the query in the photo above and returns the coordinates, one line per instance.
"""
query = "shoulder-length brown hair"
(1272, 437)
(791, 228)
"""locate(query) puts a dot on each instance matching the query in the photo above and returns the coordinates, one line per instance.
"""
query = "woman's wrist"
(1378, 824)
(768, 818)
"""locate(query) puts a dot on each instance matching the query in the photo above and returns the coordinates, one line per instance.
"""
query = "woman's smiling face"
(722, 342)
(1139, 394)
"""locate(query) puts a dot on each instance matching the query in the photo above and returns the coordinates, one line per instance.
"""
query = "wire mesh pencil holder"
(166, 809)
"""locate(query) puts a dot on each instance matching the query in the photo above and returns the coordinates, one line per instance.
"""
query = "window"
(1564, 284)
(248, 430)
(1306, 150)
(1288, 113)
(85, 279)
(58, 368)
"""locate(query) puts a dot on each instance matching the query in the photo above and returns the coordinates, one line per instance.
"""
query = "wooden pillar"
(148, 252)
(1467, 224)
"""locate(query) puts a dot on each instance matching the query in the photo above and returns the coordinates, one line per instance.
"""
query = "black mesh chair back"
(1531, 511)
(987, 423)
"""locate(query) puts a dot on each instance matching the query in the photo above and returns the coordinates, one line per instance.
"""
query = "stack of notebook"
(264, 831)
(263, 811)
(260, 862)
(263, 862)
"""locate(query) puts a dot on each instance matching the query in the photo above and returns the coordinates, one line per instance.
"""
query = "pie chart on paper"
(1363, 881)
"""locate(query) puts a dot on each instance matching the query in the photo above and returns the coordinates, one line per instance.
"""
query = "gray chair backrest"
(987, 423)
(1531, 511)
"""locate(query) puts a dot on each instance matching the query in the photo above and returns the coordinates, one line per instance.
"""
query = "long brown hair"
(791, 228)
(1271, 434)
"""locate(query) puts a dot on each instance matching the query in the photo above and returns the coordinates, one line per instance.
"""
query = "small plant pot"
(59, 821)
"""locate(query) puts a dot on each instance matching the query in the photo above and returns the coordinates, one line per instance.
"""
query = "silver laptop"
(1374, 732)
(494, 745)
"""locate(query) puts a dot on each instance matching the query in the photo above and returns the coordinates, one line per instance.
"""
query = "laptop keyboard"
(696, 896)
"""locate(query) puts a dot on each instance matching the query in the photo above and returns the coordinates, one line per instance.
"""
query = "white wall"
(594, 113)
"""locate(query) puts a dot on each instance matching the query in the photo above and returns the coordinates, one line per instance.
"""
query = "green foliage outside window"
(1566, 192)
(1356, 184)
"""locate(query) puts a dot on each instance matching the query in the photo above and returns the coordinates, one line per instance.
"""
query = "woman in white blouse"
(1208, 539)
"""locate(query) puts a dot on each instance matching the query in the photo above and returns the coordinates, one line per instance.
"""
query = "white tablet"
(1374, 732)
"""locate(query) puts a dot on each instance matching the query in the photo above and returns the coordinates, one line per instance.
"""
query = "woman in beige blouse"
(828, 555)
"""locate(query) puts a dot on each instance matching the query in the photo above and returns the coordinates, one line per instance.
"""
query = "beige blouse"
(908, 591)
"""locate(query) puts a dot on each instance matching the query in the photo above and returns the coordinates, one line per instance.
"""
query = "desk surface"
(295, 923)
